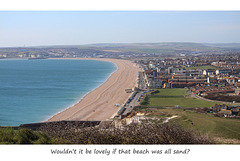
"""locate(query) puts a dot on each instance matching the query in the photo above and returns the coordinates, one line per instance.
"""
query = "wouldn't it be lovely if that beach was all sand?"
(99, 104)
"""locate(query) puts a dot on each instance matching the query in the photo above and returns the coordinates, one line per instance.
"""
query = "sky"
(40, 28)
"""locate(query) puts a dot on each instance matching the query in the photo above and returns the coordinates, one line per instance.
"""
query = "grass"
(202, 67)
(178, 96)
(207, 123)
(215, 127)
(172, 92)
(181, 101)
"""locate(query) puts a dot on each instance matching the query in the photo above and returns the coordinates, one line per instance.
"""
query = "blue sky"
(34, 28)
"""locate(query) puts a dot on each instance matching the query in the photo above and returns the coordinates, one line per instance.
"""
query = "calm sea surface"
(34, 90)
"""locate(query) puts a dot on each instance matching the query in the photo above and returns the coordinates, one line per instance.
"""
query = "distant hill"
(169, 48)
(225, 45)
(164, 47)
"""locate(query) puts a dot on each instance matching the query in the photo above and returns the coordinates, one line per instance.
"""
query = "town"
(215, 77)
(207, 77)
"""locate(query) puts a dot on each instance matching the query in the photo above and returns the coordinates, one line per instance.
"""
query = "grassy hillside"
(215, 127)
(221, 129)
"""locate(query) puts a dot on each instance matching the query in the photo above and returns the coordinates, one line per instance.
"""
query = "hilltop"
(120, 50)
(162, 47)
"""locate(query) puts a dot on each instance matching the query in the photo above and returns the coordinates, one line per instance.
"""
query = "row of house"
(156, 79)
(205, 90)
(226, 65)
(158, 76)
(226, 111)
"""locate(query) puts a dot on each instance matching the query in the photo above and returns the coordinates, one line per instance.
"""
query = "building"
(209, 72)
(237, 91)
(223, 71)
(216, 108)
(170, 70)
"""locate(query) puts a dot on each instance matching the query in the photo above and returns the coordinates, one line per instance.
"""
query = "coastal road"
(132, 104)
(142, 84)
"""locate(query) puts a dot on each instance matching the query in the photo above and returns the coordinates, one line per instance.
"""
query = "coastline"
(99, 104)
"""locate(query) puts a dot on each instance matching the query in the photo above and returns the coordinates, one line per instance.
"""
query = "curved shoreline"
(47, 119)
(99, 104)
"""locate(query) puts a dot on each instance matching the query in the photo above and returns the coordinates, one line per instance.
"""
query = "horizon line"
(25, 46)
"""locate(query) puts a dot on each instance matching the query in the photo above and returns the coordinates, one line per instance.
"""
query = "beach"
(100, 104)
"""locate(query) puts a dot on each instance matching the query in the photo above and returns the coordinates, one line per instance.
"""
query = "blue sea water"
(34, 90)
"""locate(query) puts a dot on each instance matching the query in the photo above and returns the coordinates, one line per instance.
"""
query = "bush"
(7, 136)
(26, 136)
(22, 136)
(145, 133)
(145, 100)
(155, 92)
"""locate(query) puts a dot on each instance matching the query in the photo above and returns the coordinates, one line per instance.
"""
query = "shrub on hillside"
(145, 100)
(7, 136)
(155, 92)
(22, 136)
(145, 133)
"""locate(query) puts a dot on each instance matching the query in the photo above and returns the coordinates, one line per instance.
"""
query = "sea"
(32, 91)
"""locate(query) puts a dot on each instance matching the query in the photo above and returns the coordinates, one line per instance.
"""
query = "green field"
(172, 92)
(203, 67)
(178, 96)
(215, 127)
(181, 101)
(220, 129)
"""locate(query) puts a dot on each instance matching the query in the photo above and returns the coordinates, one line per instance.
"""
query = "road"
(205, 99)
(132, 104)
(141, 83)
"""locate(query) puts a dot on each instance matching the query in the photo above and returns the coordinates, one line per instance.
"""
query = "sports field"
(178, 96)
(203, 67)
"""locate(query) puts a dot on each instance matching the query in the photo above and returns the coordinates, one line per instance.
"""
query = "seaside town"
(175, 85)
(207, 77)
(208, 74)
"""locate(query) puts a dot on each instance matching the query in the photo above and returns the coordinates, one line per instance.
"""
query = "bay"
(34, 90)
